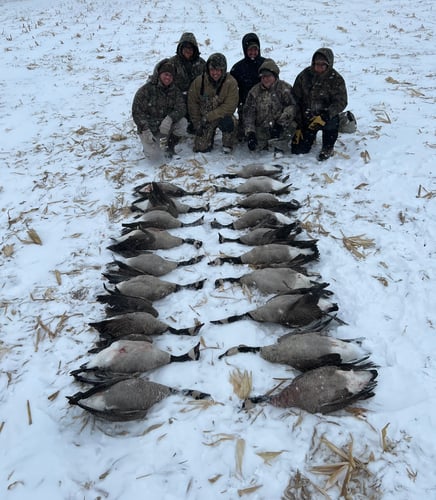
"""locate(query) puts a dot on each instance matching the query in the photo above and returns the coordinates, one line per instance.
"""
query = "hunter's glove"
(316, 123)
(251, 141)
(226, 124)
(165, 125)
(298, 136)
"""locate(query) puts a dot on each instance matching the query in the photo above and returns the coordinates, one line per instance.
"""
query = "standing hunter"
(246, 72)
(187, 65)
(212, 100)
(321, 95)
(159, 111)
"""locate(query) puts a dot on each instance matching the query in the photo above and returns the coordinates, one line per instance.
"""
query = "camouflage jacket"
(212, 100)
(266, 107)
(153, 101)
(187, 70)
(320, 94)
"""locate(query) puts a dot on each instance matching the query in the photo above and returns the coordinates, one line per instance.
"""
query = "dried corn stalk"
(248, 491)
(242, 383)
(352, 243)
(267, 456)
(239, 456)
(34, 237)
(349, 468)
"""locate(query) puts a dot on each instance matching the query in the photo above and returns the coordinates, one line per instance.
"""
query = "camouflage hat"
(217, 61)
(269, 66)
(166, 67)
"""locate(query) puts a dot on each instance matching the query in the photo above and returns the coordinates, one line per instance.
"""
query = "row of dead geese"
(335, 372)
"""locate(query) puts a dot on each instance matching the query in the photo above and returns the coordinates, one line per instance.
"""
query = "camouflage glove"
(251, 141)
(165, 125)
(298, 136)
(147, 136)
(316, 123)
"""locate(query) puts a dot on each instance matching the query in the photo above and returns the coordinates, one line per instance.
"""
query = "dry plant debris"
(34, 238)
(242, 383)
(239, 456)
(383, 117)
(8, 250)
(220, 438)
(351, 471)
(352, 243)
(365, 156)
(267, 456)
(201, 404)
(249, 490)
(427, 194)
(300, 487)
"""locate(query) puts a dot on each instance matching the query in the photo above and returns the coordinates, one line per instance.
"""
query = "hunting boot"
(329, 137)
(172, 141)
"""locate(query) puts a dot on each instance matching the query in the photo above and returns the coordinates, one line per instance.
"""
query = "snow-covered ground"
(69, 161)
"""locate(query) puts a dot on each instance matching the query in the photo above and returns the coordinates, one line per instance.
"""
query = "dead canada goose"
(150, 287)
(274, 255)
(144, 263)
(103, 343)
(263, 200)
(170, 189)
(307, 351)
(128, 357)
(137, 323)
(254, 170)
(323, 390)
(256, 217)
(265, 235)
(175, 208)
(120, 304)
(135, 241)
(275, 280)
(292, 310)
(126, 399)
(158, 199)
(160, 219)
(260, 184)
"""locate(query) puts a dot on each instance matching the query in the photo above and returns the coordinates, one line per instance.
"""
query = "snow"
(70, 70)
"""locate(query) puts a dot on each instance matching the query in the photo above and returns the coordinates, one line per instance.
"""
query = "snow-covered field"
(69, 161)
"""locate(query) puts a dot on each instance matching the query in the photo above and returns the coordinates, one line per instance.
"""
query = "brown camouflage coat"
(324, 94)
(153, 101)
(210, 99)
(187, 70)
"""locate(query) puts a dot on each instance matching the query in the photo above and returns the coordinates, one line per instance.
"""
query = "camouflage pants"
(203, 142)
(264, 139)
(152, 145)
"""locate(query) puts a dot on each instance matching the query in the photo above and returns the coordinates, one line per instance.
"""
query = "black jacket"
(246, 71)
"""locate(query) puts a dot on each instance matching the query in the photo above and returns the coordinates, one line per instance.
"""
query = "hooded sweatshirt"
(324, 94)
(187, 70)
(246, 71)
